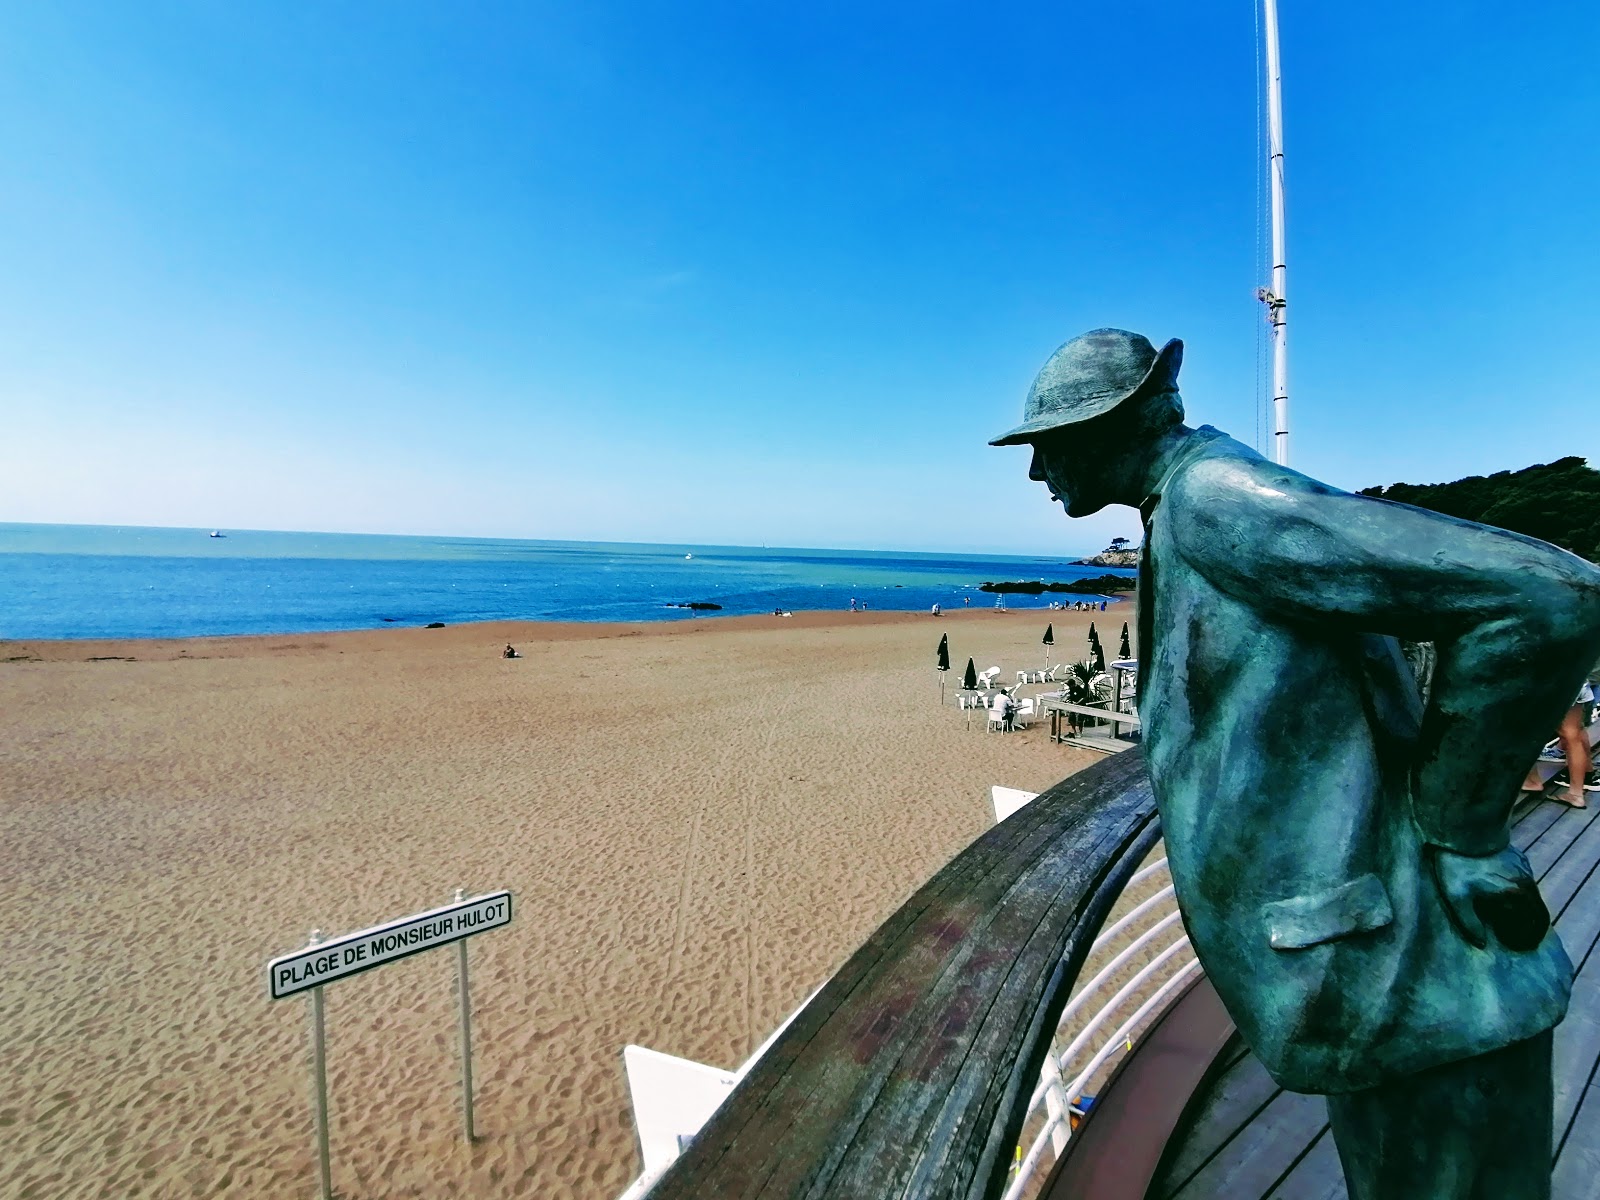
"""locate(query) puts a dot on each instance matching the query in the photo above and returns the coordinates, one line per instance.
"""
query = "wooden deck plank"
(1577, 1047)
(1568, 873)
(1234, 1093)
(1317, 1176)
(1577, 1038)
(1544, 852)
(1089, 742)
(1263, 1152)
(1531, 823)
(1577, 1170)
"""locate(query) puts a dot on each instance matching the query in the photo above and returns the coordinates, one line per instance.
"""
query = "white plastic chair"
(1023, 713)
(1001, 710)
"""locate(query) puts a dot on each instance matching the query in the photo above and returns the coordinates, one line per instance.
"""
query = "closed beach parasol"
(969, 681)
(943, 663)
(1126, 649)
(1049, 640)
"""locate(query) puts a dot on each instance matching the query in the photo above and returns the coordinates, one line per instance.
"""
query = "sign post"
(464, 996)
(322, 962)
(319, 1084)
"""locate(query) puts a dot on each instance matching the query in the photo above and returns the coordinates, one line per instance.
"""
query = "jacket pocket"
(1359, 906)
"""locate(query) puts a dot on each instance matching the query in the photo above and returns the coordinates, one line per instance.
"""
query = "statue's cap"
(1091, 375)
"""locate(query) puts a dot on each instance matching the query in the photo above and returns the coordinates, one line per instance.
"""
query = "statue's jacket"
(1298, 772)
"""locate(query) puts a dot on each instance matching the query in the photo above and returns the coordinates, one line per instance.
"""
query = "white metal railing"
(1144, 949)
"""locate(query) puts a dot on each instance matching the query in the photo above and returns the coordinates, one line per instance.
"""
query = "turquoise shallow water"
(80, 581)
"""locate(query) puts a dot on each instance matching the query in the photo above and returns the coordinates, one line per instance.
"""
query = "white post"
(1056, 1105)
(319, 1085)
(464, 997)
(1276, 296)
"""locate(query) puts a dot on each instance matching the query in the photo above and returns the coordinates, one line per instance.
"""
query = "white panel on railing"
(1009, 800)
(672, 1098)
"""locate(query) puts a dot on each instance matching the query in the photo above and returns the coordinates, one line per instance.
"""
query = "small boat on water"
(216, 533)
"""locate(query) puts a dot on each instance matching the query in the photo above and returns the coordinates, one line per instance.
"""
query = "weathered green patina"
(1339, 846)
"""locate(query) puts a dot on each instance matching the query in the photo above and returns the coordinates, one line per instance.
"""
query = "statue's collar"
(1191, 447)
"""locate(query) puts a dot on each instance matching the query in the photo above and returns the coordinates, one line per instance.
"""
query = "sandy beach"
(700, 820)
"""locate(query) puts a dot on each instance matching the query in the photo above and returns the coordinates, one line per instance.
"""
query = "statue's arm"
(1516, 622)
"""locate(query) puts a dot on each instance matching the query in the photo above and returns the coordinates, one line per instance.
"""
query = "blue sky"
(734, 273)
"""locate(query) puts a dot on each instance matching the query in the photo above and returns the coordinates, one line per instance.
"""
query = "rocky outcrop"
(1111, 558)
(1099, 585)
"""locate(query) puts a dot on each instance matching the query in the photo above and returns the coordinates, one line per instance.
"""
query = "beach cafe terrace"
(1033, 1023)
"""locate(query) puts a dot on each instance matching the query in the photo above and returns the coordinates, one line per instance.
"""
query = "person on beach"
(1340, 846)
(1002, 706)
(509, 652)
(1576, 777)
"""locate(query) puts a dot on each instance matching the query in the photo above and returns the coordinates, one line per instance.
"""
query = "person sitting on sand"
(509, 652)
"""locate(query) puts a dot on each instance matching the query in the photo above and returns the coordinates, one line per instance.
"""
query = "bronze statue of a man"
(1339, 847)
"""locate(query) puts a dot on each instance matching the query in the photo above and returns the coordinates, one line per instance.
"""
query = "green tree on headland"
(1556, 502)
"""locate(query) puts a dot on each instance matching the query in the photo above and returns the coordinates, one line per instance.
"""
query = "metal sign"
(323, 962)
(357, 952)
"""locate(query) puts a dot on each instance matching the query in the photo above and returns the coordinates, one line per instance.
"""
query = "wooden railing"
(910, 1072)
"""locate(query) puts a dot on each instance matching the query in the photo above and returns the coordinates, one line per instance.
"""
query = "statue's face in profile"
(1068, 466)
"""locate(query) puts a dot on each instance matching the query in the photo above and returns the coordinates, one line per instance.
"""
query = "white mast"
(1276, 295)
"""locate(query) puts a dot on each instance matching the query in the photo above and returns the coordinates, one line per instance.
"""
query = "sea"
(103, 581)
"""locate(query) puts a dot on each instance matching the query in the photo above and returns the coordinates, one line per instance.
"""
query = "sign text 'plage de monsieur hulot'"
(356, 952)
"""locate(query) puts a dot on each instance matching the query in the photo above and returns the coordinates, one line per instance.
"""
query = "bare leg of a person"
(1575, 742)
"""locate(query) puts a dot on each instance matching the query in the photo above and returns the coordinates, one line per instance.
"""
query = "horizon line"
(685, 544)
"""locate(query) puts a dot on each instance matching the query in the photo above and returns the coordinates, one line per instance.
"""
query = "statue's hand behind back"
(1492, 893)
